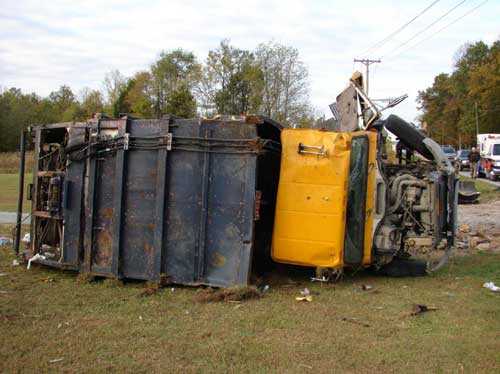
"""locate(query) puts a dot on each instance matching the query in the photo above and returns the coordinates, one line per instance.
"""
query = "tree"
(285, 92)
(181, 103)
(92, 102)
(114, 83)
(173, 70)
(139, 97)
(234, 80)
(63, 100)
(449, 105)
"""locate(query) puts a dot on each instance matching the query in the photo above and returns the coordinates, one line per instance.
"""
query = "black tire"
(400, 267)
(408, 134)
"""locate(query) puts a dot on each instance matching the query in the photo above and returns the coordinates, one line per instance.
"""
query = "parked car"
(450, 152)
(462, 159)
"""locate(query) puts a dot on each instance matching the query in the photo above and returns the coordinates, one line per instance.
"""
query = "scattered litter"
(421, 308)
(355, 321)
(36, 257)
(26, 238)
(4, 240)
(140, 318)
(322, 279)
(55, 360)
(209, 295)
(3, 274)
(465, 228)
(3, 292)
(366, 287)
(172, 289)
(59, 325)
(305, 366)
(484, 246)
(150, 288)
(15, 262)
(491, 286)
(264, 289)
(306, 295)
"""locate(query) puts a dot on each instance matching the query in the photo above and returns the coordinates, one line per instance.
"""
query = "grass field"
(9, 162)
(48, 315)
(9, 191)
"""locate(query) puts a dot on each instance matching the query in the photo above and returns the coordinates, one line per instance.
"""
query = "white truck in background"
(489, 148)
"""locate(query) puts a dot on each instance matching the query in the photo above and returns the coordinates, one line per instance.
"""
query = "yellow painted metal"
(310, 220)
(370, 197)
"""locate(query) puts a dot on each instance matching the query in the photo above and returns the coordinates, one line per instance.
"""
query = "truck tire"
(408, 134)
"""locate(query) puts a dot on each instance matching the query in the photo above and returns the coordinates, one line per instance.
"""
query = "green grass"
(488, 191)
(46, 314)
(9, 191)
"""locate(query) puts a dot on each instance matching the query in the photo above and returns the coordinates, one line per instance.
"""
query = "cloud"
(46, 44)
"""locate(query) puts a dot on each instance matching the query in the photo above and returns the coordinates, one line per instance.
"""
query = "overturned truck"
(201, 201)
(183, 201)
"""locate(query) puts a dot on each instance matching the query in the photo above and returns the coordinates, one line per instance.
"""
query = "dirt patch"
(479, 226)
(210, 295)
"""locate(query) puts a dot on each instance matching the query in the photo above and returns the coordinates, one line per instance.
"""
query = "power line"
(391, 35)
(441, 29)
(427, 27)
(367, 62)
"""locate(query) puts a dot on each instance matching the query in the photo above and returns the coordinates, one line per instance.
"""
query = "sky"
(45, 44)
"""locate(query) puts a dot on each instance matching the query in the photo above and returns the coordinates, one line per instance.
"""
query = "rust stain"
(107, 213)
(104, 243)
(217, 260)
(148, 248)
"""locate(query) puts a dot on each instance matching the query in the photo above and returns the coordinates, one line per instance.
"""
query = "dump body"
(168, 199)
(324, 211)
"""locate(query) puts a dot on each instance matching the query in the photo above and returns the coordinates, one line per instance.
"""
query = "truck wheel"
(408, 134)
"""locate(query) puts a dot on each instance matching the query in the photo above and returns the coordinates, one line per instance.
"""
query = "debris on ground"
(112, 282)
(479, 227)
(355, 321)
(36, 257)
(150, 288)
(366, 287)
(84, 278)
(15, 262)
(421, 308)
(491, 286)
(306, 295)
(55, 360)
(464, 228)
(4, 240)
(210, 295)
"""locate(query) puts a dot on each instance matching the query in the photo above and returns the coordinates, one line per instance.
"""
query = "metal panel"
(153, 209)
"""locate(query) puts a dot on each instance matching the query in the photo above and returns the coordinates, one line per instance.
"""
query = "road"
(467, 174)
(10, 217)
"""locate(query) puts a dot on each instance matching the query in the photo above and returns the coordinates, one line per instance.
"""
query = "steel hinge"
(168, 141)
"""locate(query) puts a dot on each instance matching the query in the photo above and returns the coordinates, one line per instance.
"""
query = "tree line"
(467, 98)
(271, 80)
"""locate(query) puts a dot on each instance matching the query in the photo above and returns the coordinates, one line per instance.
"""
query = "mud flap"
(467, 193)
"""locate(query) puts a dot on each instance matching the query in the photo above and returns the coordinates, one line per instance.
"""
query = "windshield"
(448, 150)
(464, 153)
(496, 150)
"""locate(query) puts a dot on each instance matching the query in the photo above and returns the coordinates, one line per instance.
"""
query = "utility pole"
(367, 62)
(477, 119)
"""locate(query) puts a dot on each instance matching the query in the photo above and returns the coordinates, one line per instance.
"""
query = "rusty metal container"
(176, 200)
